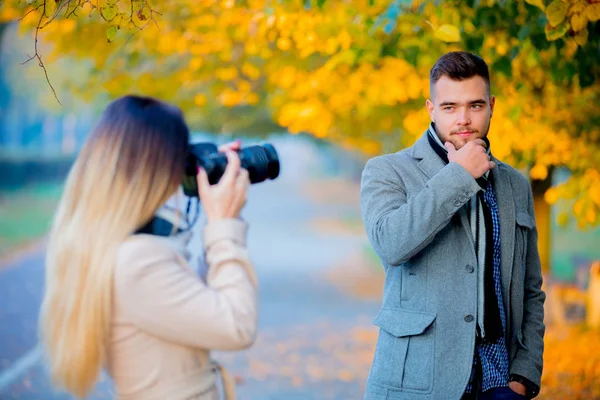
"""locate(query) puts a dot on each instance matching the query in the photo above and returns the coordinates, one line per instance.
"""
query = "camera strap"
(166, 222)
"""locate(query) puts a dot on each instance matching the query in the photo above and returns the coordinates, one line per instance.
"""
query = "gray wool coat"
(413, 209)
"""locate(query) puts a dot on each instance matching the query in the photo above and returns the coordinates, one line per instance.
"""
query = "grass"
(25, 215)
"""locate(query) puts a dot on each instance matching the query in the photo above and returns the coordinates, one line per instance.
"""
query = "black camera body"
(261, 161)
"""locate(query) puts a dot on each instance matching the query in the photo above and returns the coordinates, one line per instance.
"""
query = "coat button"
(469, 318)
(470, 268)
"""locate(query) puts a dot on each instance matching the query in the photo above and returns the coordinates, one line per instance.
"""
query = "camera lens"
(273, 160)
(261, 162)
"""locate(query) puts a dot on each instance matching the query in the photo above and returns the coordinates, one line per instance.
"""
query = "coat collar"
(429, 162)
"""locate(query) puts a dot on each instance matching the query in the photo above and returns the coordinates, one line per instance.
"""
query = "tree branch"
(37, 54)
(30, 11)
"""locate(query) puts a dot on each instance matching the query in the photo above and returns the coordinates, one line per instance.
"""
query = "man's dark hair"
(459, 65)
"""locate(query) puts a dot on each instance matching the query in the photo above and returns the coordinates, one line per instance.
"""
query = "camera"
(261, 161)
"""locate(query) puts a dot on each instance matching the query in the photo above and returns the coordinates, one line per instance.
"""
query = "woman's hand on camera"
(236, 145)
(226, 198)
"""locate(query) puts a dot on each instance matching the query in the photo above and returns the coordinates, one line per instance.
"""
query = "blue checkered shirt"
(493, 357)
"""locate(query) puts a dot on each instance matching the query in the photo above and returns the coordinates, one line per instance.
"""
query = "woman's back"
(165, 318)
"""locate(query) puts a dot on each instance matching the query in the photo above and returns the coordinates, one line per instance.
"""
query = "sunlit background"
(330, 84)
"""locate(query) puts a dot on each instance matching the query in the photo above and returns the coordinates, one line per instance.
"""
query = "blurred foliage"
(353, 72)
(571, 364)
(25, 215)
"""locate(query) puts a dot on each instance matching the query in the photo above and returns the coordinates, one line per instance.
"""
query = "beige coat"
(166, 319)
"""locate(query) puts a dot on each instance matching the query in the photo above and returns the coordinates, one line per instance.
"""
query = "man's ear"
(492, 103)
(430, 109)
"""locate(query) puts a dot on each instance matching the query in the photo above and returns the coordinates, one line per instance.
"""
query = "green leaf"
(411, 54)
(111, 33)
(556, 32)
(540, 41)
(515, 113)
(474, 43)
(109, 12)
(538, 3)
(321, 3)
(585, 78)
(524, 32)
(556, 12)
(448, 33)
(503, 65)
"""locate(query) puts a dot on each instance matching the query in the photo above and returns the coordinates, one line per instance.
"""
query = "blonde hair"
(130, 165)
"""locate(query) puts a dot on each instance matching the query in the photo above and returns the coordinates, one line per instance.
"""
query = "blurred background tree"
(352, 72)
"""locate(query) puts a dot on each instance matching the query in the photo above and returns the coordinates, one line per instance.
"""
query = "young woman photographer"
(129, 302)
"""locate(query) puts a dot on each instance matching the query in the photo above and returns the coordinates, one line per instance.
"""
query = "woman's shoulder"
(139, 253)
(144, 244)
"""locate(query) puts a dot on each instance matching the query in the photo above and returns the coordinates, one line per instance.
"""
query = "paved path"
(315, 341)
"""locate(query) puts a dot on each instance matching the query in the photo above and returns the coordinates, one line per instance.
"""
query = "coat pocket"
(525, 223)
(404, 356)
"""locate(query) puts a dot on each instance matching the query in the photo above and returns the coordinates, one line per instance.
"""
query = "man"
(462, 314)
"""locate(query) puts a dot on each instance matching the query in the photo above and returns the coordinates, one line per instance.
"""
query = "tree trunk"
(555, 307)
(543, 219)
(593, 304)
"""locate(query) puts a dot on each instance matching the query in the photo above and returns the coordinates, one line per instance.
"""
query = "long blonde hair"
(131, 163)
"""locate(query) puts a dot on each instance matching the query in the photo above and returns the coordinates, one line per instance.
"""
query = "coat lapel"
(506, 211)
(430, 163)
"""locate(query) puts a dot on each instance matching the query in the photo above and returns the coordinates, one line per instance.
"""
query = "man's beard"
(459, 142)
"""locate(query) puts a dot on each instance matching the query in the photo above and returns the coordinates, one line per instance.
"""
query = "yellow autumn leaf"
(578, 21)
(578, 206)
(594, 193)
(578, 6)
(50, 8)
(593, 11)
(252, 98)
(448, 33)
(250, 71)
(556, 12)
(230, 98)
(539, 171)
(551, 196)
(200, 100)
(108, 12)
(591, 215)
(226, 74)
(581, 37)
(284, 44)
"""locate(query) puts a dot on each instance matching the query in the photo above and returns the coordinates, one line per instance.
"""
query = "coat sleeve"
(528, 361)
(399, 226)
(164, 297)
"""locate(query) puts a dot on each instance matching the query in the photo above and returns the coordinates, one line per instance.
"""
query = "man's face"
(461, 110)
